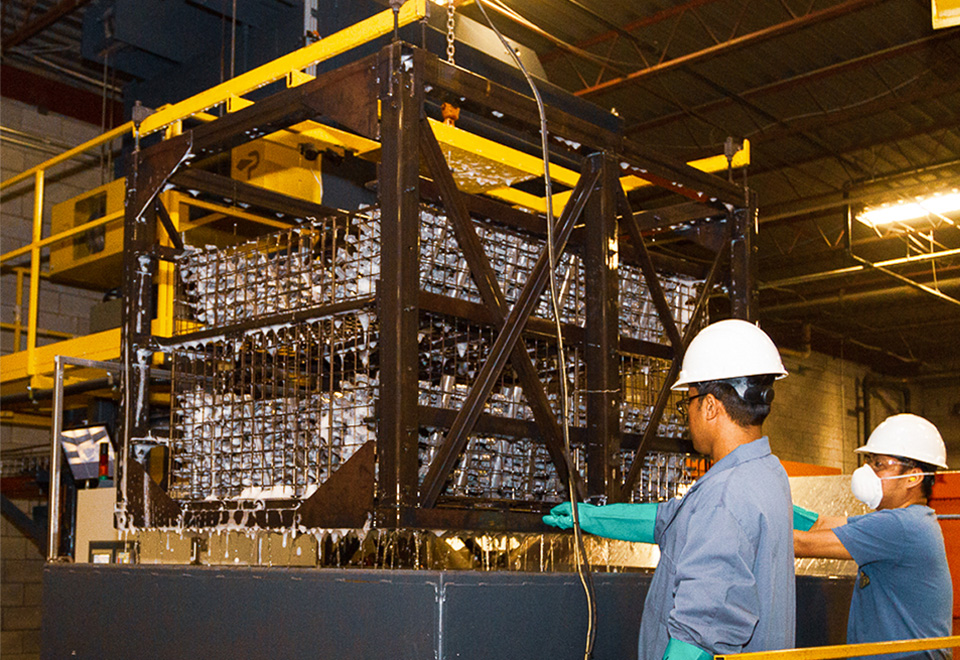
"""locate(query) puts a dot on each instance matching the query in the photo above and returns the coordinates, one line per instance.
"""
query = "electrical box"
(282, 166)
(96, 535)
(93, 258)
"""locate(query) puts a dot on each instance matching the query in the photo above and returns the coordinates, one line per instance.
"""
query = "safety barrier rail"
(849, 650)
(170, 117)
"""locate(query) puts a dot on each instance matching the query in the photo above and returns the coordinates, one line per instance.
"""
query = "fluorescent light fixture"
(904, 210)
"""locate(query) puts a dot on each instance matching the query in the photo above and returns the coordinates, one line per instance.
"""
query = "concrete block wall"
(21, 565)
(62, 308)
(814, 418)
(940, 403)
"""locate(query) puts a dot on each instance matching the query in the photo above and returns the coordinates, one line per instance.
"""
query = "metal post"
(35, 271)
(743, 261)
(401, 99)
(601, 257)
(18, 313)
(53, 509)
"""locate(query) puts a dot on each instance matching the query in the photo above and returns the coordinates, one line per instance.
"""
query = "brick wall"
(814, 416)
(940, 403)
(61, 308)
(21, 564)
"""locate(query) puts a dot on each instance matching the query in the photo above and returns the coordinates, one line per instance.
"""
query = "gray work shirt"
(725, 581)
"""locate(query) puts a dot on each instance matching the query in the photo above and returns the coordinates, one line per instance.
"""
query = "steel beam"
(293, 208)
(506, 340)
(602, 351)
(493, 297)
(743, 261)
(735, 43)
(149, 172)
(650, 431)
(788, 84)
(41, 23)
(536, 327)
(650, 276)
(347, 95)
(401, 102)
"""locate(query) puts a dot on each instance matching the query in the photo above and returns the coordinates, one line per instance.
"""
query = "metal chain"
(450, 26)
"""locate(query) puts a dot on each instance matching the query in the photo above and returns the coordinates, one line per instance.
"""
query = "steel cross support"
(507, 339)
(650, 431)
(149, 172)
(401, 102)
(492, 295)
(629, 222)
(602, 350)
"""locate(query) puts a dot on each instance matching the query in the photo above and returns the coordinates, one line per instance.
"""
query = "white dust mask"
(868, 487)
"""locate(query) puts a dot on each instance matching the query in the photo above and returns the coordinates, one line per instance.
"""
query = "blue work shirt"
(903, 590)
(725, 581)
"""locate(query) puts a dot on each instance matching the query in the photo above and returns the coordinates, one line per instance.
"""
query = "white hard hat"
(907, 436)
(729, 349)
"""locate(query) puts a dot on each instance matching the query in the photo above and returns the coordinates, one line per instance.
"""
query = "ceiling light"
(904, 210)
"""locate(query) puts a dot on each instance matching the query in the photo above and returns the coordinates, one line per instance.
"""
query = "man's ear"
(713, 407)
(914, 479)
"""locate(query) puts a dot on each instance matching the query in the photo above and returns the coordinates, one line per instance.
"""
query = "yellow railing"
(849, 650)
(289, 66)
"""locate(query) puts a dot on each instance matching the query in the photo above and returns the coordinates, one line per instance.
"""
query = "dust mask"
(867, 486)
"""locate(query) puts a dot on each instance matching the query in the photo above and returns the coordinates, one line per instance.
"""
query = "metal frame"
(394, 81)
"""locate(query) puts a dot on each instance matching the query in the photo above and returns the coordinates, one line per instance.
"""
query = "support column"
(401, 102)
(601, 258)
(743, 261)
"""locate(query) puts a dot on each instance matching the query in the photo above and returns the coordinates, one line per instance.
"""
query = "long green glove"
(627, 522)
(803, 519)
(677, 650)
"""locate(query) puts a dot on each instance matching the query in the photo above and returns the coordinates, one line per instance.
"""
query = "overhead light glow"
(902, 211)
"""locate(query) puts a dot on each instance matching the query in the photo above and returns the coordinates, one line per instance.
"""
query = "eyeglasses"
(880, 463)
(683, 405)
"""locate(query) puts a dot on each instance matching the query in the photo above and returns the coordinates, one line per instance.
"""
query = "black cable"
(583, 564)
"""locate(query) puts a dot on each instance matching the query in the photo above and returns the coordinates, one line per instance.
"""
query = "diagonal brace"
(506, 345)
(493, 297)
(167, 223)
(631, 479)
(649, 272)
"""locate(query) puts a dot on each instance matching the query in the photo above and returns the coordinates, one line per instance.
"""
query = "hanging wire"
(583, 565)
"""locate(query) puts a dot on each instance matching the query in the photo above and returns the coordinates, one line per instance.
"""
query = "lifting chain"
(450, 27)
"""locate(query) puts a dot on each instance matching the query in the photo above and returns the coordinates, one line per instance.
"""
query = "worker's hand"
(562, 515)
(803, 519)
(677, 650)
(627, 522)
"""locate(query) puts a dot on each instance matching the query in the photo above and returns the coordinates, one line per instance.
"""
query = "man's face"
(890, 466)
(696, 422)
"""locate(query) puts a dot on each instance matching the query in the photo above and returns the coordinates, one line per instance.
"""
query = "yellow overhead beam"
(291, 65)
(337, 43)
(710, 165)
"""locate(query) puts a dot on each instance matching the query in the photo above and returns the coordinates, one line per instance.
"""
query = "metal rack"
(397, 365)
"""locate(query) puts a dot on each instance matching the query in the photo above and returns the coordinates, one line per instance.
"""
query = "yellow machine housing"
(280, 164)
(92, 258)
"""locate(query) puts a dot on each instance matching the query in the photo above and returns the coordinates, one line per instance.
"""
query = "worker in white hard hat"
(903, 589)
(725, 580)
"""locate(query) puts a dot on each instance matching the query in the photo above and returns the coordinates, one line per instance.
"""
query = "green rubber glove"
(677, 650)
(627, 522)
(803, 519)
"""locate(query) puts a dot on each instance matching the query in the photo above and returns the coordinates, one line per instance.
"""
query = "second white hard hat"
(729, 349)
(908, 436)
